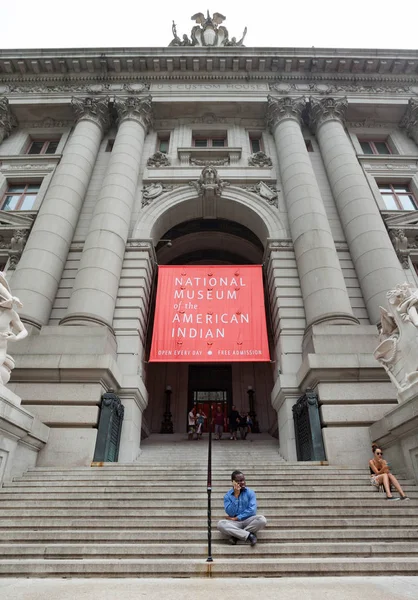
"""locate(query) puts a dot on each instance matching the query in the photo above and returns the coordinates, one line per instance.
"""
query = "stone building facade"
(100, 153)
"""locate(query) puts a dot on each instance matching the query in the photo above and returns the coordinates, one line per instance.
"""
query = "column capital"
(279, 109)
(135, 109)
(92, 109)
(7, 119)
(326, 109)
(410, 120)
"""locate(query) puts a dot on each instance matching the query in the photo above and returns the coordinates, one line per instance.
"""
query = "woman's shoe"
(405, 498)
(392, 498)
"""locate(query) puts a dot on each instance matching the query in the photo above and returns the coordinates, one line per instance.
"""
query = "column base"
(84, 319)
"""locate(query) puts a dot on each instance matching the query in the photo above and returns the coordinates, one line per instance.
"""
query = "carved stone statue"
(207, 32)
(400, 243)
(259, 159)
(11, 328)
(398, 348)
(209, 182)
(152, 191)
(159, 159)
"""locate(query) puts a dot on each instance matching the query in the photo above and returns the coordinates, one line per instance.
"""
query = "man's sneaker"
(392, 498)
(233, 541)
(251, 539)
(404, 498)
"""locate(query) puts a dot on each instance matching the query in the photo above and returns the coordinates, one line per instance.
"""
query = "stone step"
(199, 549)
(199, 534)
(199, 520)
(223, 567)
(366, 502)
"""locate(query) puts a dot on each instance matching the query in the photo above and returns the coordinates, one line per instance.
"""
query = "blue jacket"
(242, 507)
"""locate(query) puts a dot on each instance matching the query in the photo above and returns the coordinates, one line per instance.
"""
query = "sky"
(125, 23)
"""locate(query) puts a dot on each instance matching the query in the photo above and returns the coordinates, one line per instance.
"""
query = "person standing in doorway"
(242, 521)
(243, 425)
(233, 419)
(219, 421)
(192, 423)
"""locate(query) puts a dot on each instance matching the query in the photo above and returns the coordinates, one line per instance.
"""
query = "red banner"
(210, 314)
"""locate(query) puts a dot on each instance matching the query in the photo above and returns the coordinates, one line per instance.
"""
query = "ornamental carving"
(215, 162)
(259, 159)
(284, 108)
(410, 120)
(159, 159)
(139, 87)
(17, 244)
(152, 191)
(92, 109)
(265, 191)
(137, 109)
(207, 32)
(47, 123)
(209, 183)
(355, 87)
(400, 243)
(7, 119)
(398, 348)
(326, 109)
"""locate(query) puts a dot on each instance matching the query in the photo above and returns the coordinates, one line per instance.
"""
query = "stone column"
(7, 119)
(410, 120)
(322, 283)
(96, 285)
(39, 271)
(375, 261)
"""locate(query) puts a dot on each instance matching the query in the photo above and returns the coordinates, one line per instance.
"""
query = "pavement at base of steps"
(308, 588)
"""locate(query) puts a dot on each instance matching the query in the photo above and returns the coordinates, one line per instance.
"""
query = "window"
(163, 144)
(20, 197)
(215, 142)
(255, 143)
(109, 145)
(309, 146)
(398, 196)
(42, 147)
(374, 147)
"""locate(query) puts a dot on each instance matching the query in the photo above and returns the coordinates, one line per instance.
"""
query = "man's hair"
(235, 473)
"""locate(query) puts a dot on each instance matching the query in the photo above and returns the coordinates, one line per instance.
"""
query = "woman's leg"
(384, 479)
(397, 485)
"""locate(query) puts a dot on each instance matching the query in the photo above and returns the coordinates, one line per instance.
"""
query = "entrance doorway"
(210, 386)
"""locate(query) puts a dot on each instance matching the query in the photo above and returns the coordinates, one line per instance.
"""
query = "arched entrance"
(237, 234)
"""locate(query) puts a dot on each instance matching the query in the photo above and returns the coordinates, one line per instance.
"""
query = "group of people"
(237, 421)
(242, 522)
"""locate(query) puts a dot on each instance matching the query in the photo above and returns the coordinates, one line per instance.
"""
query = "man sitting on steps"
(240, 505)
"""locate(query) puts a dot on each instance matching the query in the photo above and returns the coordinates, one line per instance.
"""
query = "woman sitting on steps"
(380, 474)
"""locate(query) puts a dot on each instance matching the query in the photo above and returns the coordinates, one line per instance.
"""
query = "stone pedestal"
(397, 434)
(21, 436)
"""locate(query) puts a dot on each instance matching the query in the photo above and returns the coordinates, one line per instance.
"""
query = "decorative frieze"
(152, 191)
(343, 88)
(214, 162)
(92, 109)
(159, 159)
(326, 109)
(47, 123)
(7, 119)
(136, 109)
(75, 87)
(259, 159)
(279, 109)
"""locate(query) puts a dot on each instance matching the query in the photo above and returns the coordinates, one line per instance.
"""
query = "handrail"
(209, 486)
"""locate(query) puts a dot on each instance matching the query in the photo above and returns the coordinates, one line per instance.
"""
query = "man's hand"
(237, 489)
(231, 518)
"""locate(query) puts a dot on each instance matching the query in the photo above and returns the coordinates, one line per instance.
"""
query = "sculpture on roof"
(207, 32)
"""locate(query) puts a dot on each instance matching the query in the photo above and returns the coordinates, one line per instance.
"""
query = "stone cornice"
(135, 109)
(172, 59)
(279, 109)
(326, 109)
(92, 109)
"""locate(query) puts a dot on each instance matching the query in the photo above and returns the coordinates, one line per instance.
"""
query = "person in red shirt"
(219, 421)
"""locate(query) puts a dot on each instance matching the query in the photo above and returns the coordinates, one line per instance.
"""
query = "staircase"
(149, 519)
